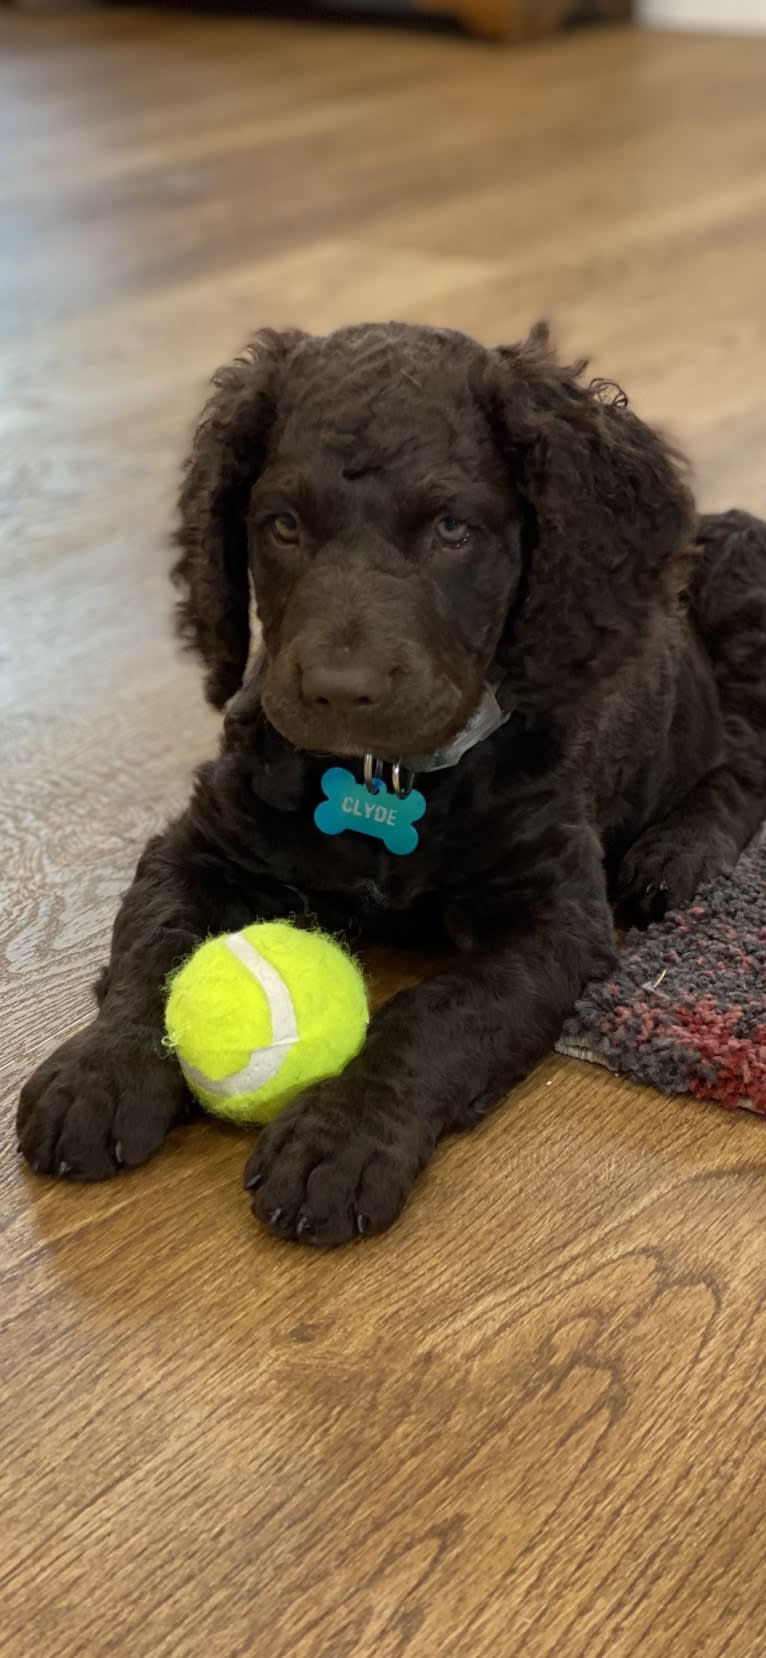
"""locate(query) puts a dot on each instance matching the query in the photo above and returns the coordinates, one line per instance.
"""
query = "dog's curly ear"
(608, 518)
(227, 454)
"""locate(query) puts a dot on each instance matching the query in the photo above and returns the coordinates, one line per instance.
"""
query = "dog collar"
(390, 814)
(486, 719)
(484, 722)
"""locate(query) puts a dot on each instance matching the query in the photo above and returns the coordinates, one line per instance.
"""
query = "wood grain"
(530, 1419)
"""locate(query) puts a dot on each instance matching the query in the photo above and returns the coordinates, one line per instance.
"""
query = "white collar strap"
(484, 721)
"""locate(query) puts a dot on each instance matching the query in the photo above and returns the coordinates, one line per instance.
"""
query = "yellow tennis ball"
(256, 1016)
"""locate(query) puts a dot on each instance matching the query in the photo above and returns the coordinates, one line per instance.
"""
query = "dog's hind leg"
(705, 834)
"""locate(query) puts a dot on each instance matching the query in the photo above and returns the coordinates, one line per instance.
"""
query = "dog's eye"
(452, 531)
(285, 528)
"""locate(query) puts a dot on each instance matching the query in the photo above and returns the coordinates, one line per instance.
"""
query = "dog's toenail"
(119, 1155)
(253, 1181)
(275, 1216)
(304, 1226)
(64, 1167)
(363, 1224)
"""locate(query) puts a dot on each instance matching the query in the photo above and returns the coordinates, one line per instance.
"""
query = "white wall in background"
(724, 15)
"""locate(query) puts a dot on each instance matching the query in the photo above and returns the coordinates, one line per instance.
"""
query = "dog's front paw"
(107, 1097)
(665, 870)
(324, 1173)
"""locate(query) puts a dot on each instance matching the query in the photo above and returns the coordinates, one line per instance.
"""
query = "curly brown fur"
(414, 513)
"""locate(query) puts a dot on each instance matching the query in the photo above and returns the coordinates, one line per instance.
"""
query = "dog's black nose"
(345, 684)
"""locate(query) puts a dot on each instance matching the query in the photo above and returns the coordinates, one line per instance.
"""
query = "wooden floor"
(531, 1419)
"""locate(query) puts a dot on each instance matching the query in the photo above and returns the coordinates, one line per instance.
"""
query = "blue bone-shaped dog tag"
(386, 817)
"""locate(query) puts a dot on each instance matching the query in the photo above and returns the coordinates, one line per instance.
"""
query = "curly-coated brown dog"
(462, 559)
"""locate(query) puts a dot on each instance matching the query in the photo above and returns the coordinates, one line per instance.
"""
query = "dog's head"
(413, 510)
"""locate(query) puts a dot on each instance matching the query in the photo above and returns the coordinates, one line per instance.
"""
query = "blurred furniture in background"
(509, 19)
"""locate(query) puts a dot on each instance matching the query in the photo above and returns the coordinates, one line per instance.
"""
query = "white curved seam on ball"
(262, 1066)
(264, 1063)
